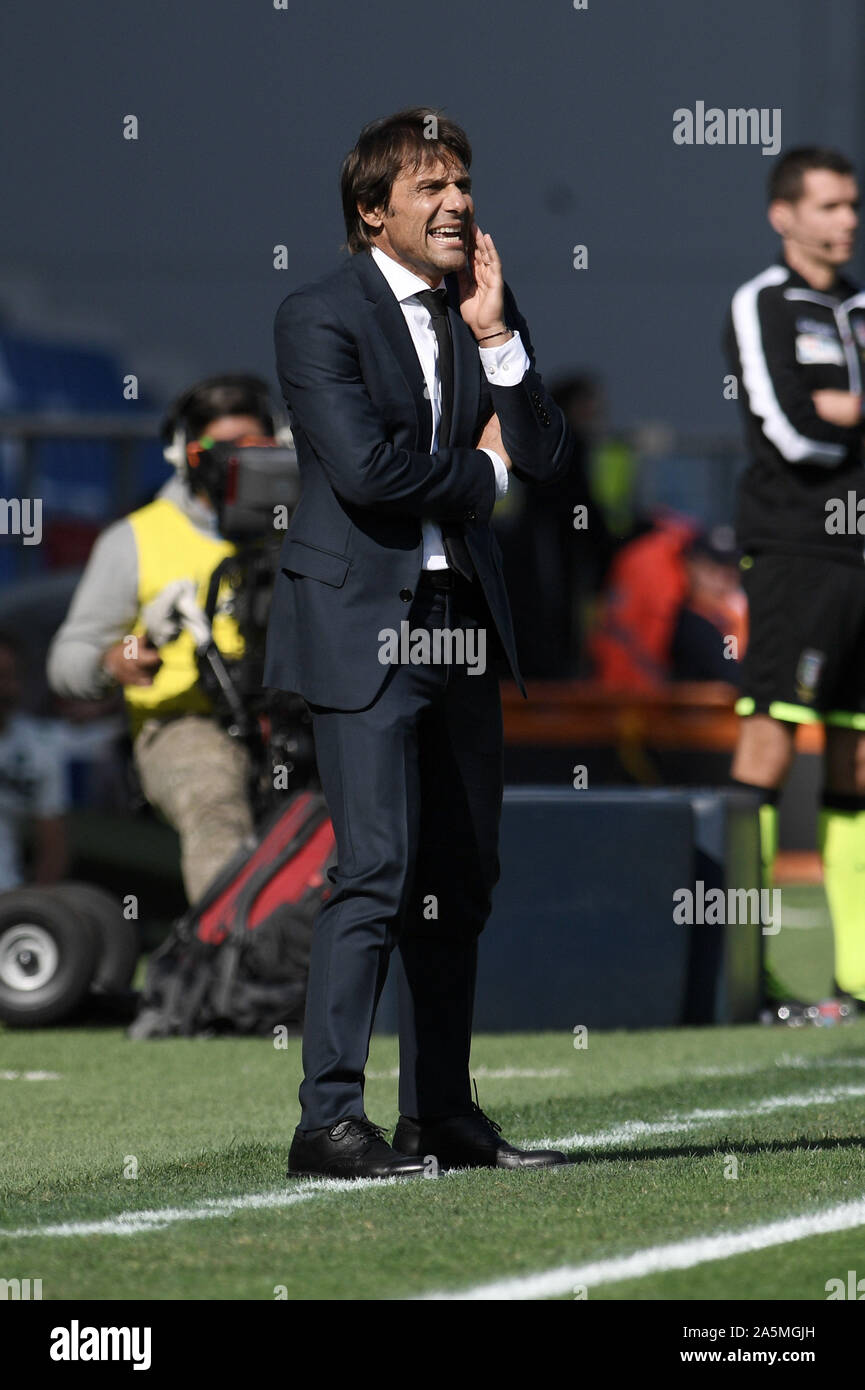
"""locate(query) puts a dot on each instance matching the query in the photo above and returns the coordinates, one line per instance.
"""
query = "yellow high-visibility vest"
(170, 547)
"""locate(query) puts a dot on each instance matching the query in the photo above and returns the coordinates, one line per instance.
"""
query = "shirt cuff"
(502, 475)
(507, 364)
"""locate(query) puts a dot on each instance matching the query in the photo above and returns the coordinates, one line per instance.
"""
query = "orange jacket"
(645, 590)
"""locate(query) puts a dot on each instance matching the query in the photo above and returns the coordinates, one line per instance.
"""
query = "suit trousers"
(414, 788)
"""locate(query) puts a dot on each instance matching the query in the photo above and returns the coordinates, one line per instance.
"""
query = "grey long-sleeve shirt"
(105, 607)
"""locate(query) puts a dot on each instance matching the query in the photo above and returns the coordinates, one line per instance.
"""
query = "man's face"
(423, 204)
(823, 221)
(711, 580)
(229, 427)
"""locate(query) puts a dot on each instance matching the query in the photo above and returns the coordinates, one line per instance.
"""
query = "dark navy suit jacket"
(362, 423)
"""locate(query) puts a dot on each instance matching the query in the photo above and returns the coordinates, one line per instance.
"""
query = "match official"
(795, 340)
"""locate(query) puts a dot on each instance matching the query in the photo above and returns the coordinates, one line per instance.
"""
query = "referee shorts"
(805, 658)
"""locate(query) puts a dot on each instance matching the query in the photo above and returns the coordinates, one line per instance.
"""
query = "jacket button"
(406, 595)
(471, 516)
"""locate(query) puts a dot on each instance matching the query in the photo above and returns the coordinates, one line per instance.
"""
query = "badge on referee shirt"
(810, 665)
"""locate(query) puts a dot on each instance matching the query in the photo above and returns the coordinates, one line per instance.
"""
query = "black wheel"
(48, 954)
(119, 945)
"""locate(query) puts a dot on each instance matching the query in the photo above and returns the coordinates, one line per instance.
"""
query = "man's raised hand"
(482, 289)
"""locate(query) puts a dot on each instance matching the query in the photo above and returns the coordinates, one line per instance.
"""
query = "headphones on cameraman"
(174, 431)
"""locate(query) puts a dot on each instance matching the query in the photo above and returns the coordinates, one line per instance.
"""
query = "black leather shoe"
(469, 1141)
(352, 1148)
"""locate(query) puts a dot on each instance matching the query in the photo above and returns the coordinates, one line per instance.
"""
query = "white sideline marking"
(485, 1073)
(129, 1223)
(695, 1119)
(783, 1063)
(29, 1076)
(744, 1070)
(658, 1259)
(133, 1222)
(804, 921)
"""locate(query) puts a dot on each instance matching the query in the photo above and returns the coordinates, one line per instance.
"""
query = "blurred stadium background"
(152, 261)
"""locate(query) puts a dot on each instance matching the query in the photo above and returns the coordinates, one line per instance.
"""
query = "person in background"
(556, 545)
(190, 769)
(32, 784)
(673, 609)
(711, 629)
(795, 340)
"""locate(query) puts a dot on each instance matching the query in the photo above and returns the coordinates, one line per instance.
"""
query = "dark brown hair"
(786, 179)
(238, 393)
(384, 148)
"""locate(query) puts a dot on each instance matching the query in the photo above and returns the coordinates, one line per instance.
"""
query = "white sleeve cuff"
(507, 364)
(502, 475)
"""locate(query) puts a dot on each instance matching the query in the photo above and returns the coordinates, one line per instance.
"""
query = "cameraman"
(190, 768)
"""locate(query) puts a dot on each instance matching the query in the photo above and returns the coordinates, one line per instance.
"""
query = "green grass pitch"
(157, 1170)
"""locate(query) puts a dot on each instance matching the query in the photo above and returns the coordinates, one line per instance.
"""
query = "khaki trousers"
(196, 776)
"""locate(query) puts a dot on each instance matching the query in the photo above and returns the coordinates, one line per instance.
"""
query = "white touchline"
(134, 1222)
(486, 1073)
(658, 1259)
(786, 1062)
(804, 920)
(695, 1119)
(29, 1076)
(129, 1223)
(783, 1063)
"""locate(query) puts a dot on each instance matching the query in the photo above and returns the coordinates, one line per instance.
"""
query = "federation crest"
(811, 663)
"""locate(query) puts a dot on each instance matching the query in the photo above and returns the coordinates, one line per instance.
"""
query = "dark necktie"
(435, 301)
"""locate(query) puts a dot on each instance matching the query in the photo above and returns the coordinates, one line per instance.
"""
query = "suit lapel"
(395, 332)
(394, 329)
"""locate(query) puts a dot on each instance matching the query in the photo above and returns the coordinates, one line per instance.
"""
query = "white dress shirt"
(505, 365)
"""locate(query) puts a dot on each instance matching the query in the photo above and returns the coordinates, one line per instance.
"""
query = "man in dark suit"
(409, 375)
